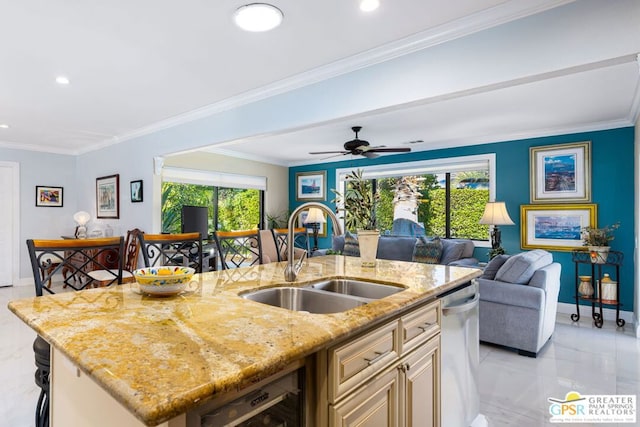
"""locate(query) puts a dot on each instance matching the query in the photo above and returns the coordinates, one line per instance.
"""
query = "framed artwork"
(322, 230)
(561, 173)
(49, 196)
(311, 186)
(136, 191)
(555, 227)
(108, 196)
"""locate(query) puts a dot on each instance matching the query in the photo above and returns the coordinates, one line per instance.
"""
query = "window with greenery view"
(449, 204)
(229, 208)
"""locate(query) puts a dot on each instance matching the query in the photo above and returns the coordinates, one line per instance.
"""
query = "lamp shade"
(82, 217)
(315, 216)
(495, 213)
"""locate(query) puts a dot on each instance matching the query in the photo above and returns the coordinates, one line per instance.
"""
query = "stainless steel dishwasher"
(460, 346)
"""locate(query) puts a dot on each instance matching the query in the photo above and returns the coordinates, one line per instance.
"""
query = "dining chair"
(183, 249)
(75, 259)
(300, 240)
(239, 248)
(130, 263)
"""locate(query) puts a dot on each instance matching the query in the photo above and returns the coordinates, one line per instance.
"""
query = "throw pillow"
(520, 268)
(451, 251)
(493, 266)
(351, 246)
(427, 251)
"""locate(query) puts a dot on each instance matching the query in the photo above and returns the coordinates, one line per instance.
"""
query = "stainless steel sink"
(305, 299)
(326, 296)
(357, 288)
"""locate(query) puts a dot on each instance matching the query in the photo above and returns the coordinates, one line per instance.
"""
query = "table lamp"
(495, 213)
(315, 217)
(82, 218)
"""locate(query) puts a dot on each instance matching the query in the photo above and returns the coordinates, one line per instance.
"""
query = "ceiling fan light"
(258, 17)
(369, 5)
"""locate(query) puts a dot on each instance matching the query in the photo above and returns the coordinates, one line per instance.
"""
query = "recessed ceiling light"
(369, 5)
(258, 17)
(4, 126)
(62, 80)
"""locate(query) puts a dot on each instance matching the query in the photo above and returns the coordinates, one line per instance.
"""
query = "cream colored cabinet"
(420, 376)
(387, 376)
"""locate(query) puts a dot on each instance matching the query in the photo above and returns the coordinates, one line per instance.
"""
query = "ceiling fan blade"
(370, 155)
(389, 150)
(330, 152)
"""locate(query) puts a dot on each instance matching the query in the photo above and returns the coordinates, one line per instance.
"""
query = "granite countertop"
(160, 357)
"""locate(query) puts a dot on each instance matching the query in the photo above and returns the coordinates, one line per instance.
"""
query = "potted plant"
(597, 240)
(358, 203)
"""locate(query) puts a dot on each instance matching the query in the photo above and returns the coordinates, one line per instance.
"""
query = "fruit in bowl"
(163, 280)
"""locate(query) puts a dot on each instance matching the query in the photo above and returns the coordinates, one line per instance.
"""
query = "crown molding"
(38, 148)
(245, 156)
(465, 141)
(488, 18)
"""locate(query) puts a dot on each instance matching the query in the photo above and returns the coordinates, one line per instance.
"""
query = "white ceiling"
(136, 66)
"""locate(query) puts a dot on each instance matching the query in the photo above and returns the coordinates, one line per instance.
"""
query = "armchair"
(519, 300)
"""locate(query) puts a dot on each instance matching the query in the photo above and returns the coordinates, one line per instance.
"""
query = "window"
(235, 205)
(446, 197)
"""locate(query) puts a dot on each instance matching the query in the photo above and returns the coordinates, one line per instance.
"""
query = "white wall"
(42, 222)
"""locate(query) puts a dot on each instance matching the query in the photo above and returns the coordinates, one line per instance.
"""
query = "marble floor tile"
(513, 389)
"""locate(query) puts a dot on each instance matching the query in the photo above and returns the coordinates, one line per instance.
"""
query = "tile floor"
(513, 389)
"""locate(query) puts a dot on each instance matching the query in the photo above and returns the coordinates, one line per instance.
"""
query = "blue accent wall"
(612, 184)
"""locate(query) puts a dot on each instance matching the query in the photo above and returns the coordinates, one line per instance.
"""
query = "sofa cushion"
(520, 268)
(337, 243)
(451, 251)
(427, 251)
(396, 248)
(469, 247)
(351, 246)
(493, 266)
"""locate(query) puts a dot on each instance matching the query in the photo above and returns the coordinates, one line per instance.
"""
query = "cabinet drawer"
(419, 325)
(354, 362)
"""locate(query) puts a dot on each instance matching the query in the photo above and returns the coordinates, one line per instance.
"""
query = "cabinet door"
(421, 397)
(375, 405)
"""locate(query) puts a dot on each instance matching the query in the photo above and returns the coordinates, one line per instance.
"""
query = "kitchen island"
(162, 357)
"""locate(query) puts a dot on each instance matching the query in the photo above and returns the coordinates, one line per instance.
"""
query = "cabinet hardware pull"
(379, 355)
(424, 328)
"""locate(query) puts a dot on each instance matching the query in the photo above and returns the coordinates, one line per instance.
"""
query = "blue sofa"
(400, 248)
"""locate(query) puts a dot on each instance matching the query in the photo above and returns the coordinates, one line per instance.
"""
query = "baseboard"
(607, 313)
(24, 281)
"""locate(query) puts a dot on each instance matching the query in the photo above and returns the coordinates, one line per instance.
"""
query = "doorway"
(9, 227)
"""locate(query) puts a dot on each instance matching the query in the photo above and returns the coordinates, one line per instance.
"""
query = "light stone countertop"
(161, 357)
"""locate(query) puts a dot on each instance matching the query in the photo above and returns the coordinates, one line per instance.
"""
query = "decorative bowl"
(163, 280)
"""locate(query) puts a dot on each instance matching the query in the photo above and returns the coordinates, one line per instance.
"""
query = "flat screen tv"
(196, 219)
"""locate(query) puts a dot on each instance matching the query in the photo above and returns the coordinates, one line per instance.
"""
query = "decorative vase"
(599, 254)
(368, 242)
(585, 289)
(608, 289)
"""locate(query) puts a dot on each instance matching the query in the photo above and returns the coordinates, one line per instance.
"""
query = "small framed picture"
(108, 196)
(49, 196)
(136, 191)
(555, 227)
(561, 173)
(311, 186)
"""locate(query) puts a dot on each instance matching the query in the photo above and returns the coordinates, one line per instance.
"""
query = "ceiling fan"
(360, 147)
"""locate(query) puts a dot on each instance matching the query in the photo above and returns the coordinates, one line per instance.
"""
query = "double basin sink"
(323, 297)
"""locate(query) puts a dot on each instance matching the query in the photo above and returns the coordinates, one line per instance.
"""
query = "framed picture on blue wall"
(311, 186)
(561, 173)
(555, 227)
